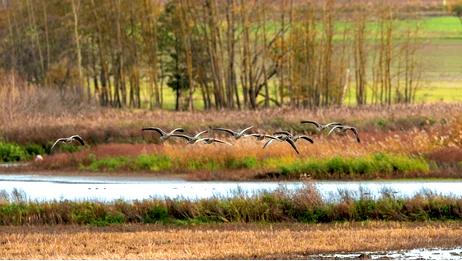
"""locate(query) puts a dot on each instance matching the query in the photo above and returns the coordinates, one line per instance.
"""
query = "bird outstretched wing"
(184, 136)
(268, 143)
(244, 130)
(158, 130)
(318, 125)
(56, 143)
(221, 141)
(292, 143)
(355, 131)
(332, 124)
(175, 130)
(77, 138)
(283, 133)
(267, 136)
(225, 130)
(334, 128)
(200, 133)
(304, 137)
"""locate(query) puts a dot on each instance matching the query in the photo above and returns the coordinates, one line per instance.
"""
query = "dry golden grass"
(441, 138)
(224, 241)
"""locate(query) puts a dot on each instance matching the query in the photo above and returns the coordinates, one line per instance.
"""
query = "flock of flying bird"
(280, 136)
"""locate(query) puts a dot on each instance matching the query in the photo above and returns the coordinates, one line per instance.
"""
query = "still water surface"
(103, 188)
(412, 254)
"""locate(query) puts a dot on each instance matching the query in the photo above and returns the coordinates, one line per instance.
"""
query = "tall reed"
(304, 205)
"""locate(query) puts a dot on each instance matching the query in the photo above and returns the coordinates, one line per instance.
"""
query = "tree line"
(220, 54)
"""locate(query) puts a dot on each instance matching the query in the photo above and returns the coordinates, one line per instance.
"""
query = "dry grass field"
(223, 241)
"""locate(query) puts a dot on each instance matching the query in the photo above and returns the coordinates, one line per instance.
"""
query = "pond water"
(104, 188)
(413, 254)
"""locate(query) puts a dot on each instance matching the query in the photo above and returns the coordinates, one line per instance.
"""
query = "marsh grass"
(365, 167)
(414, 152)
(123, 126)
(305, 205)
(397, 141)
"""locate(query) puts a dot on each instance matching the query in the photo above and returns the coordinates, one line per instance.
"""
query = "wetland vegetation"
(105, 69)
(305, 205)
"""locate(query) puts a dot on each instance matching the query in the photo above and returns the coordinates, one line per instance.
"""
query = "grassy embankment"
(222, 241)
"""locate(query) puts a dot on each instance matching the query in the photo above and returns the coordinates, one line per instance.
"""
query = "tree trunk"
(75, 13)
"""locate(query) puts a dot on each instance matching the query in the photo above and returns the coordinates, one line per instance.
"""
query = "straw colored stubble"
(226, 241)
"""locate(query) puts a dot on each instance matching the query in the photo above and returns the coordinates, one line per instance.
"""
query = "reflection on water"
(40, 187)
(13, 164)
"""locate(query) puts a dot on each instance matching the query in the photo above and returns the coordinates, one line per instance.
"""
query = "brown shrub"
(128, 150)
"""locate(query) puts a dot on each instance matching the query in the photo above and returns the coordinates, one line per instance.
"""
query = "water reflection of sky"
(413, 254)
(40, 187)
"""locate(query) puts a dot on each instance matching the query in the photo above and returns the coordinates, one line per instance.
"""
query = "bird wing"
(292, 143)
(259, 136)
(175, 130)
(221, 141)
(188, 138)
(335, 127)
(161, 132)
(332, 124)
(56, 142)
(200, 133)
(199, 140)
(77, 138)
(355, 131)
(225, 130)
(318, 125)
(304, 137)
(270, 137)
(244, 130)
(282, 132)
(267, 143)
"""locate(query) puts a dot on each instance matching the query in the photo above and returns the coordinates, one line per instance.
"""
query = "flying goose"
(189, 139)
(163, 135)
(280, 136)
(289, 138)
(320, 127)
(68, 140)
(285, 136)
(235, 134)
(344, 129)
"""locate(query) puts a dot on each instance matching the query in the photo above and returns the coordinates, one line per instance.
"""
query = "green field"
(440, 27)
(429, 92)
(440, 55)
